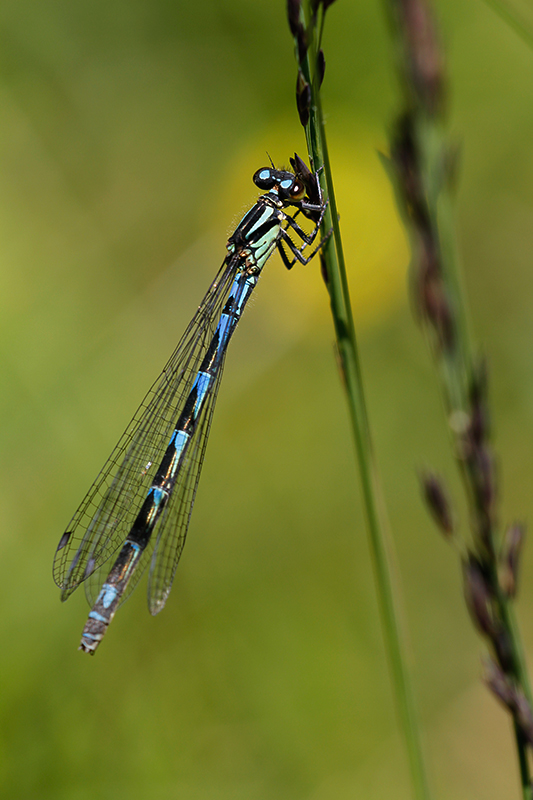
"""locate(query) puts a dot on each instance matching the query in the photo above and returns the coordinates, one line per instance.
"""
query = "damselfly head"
(282, 182)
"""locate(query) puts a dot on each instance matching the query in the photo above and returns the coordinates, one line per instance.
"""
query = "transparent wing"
(110, 507)
(175, 523)
(166, 545)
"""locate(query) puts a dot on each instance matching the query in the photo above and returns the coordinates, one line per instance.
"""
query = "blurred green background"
(130, 131)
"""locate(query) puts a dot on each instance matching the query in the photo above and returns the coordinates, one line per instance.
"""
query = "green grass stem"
(380, 545)
(423, 171)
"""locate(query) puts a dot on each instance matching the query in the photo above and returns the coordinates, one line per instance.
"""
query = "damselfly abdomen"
(141, 502)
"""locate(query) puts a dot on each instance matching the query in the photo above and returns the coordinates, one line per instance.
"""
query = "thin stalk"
(422, 170)
(511, 17)
(337, 284)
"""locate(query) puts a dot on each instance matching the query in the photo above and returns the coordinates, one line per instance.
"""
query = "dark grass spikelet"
(479, 597)
(476, 453)
(482, 602)
(478, 396)
(510, 558)
(321, 66)
(498, 683)
(511, 697)
(438, 502)
(294, 14)
(303, 98)
(294, 11)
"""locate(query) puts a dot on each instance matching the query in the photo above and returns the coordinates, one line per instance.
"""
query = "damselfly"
(141, 501)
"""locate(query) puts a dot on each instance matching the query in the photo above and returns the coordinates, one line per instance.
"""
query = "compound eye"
(297, 191)
(263, 178)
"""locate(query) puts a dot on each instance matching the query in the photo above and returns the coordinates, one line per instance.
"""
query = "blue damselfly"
(141, 501)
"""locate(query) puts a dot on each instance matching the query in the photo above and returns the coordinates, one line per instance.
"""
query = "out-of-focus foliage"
(130, 131)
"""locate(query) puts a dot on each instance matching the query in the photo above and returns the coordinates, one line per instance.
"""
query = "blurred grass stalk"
(422, 167)
(513, 19)
(306, 21)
